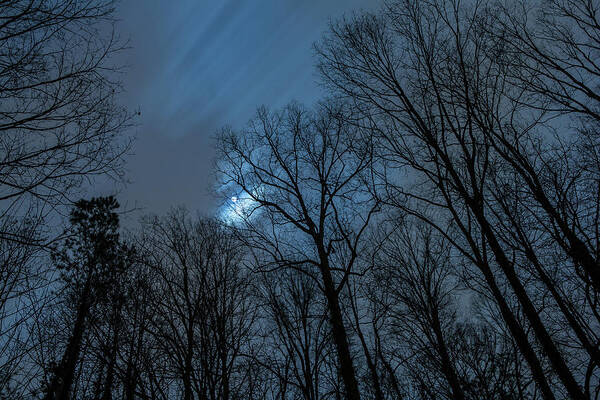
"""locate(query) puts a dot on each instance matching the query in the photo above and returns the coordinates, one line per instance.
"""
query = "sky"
(195, 66)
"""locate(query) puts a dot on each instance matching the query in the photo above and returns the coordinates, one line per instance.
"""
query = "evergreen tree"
(91, 260)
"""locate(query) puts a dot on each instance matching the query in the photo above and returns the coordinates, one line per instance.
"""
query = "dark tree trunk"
(112, 359)
(369, 360)
(60, 387)
(339, 334)
(447, 365)
(475, 202)
(187, 368)
(530, 312)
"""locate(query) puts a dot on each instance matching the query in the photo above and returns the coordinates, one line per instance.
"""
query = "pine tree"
(90, 262)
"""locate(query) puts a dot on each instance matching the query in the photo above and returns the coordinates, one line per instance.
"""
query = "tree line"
(429, 230)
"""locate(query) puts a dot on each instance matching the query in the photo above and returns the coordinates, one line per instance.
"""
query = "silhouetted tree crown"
(91, 262)
(93, 251)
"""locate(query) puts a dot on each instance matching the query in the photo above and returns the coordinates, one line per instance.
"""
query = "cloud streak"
(196, 66)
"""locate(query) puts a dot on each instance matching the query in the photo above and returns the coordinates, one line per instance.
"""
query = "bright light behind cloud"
(237, 208)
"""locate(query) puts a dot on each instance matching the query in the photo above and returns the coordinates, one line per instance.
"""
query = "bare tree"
(201, 305)
(441, 345)
(137, 359)
(23, 294)
(304, 177)
(296, 345)
(443, 96)
(59, 119)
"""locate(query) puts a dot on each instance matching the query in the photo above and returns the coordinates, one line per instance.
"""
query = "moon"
(237, 208)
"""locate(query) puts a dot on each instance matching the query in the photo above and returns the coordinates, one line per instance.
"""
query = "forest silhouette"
(428, 230)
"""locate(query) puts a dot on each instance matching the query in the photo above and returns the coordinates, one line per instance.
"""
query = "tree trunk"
(62, 381)
(448, 368)
(529, 310)
(370, 364)
(187, 368)
(112, 358)
(339, 333)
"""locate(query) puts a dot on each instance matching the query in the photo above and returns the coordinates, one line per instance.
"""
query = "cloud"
(197, 66)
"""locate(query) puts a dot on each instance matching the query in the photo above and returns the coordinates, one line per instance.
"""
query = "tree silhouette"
(307, 174)
(90, 262)
(60, 122)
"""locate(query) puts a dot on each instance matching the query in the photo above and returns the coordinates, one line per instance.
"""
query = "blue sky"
(196, 66)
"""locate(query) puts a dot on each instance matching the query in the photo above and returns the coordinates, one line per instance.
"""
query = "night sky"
(196, 66)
